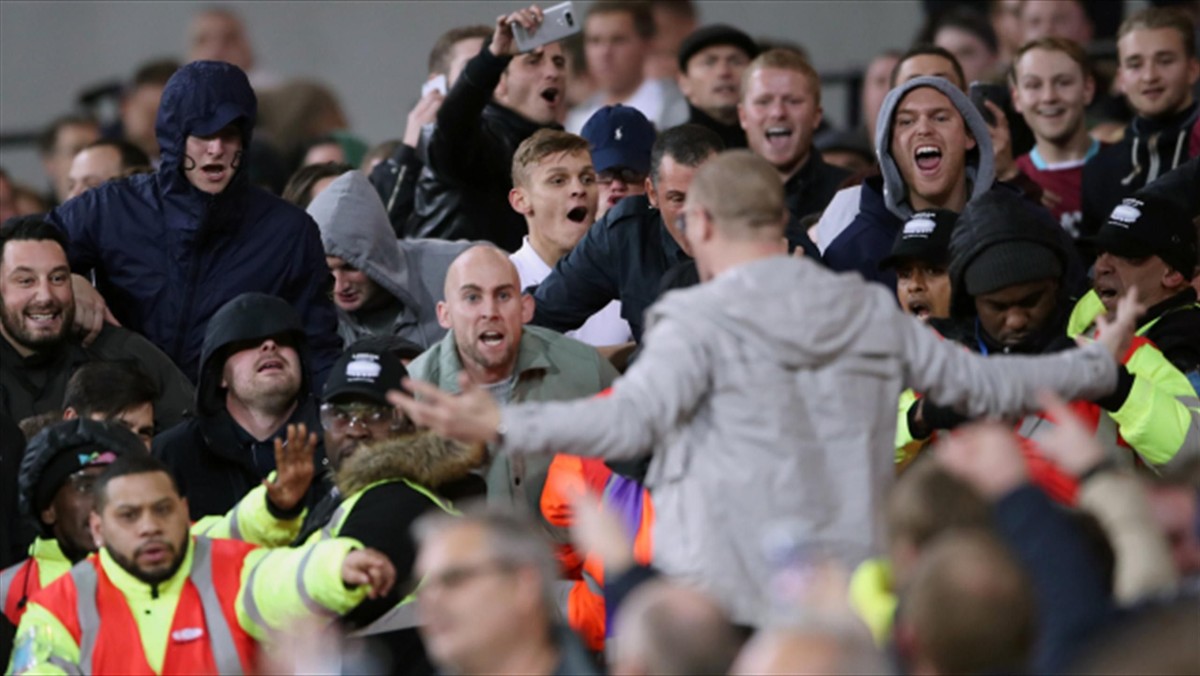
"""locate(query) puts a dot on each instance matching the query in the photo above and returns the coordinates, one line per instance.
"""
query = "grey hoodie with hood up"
(768, 396)
(354, 227)
(860, 225)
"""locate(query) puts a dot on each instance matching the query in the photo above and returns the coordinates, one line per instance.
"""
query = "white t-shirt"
(606, 327)
(649, 100)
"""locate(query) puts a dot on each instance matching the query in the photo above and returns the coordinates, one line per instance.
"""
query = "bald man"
(667, 629)
(487, 341)
(763, 394)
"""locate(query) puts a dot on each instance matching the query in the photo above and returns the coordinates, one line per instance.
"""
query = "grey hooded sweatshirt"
(763, 405)
(860, 225)
(355, 227)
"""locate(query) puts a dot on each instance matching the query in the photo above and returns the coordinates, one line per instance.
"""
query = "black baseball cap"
(1150, 225)
(925, 237)
(716, 34)
(364, 371)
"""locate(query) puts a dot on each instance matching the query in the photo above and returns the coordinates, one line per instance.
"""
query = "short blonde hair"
(1154, 18)
(542, 144)
(784, 59)
(744, 194)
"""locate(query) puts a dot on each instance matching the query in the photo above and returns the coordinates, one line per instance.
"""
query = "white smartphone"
(558, 22)
(438, 83)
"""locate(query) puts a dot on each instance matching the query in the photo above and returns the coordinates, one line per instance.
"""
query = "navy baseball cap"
(620, 136)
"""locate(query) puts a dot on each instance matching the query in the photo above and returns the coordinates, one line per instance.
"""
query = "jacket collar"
(132, 587)
(1182, 299)
(510, 118)
(225, 438)
(531, 356)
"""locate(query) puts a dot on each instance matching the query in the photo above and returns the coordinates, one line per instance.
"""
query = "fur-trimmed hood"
(422, 457)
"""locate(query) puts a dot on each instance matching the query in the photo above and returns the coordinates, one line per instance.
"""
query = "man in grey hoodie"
(766, 394)
(382, 286)
(934, 152)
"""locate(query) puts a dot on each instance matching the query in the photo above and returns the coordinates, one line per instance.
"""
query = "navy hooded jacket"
(167, 255)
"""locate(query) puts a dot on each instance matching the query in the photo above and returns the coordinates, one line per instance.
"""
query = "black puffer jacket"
(463, 190)
(215, 461)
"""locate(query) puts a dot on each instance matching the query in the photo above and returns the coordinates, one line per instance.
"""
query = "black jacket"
(813, 186)
(1150, 149)
(463, 190)
(1177, 332)
(1181, 185)
(214, 461)
(623, 256)
(37, 384)
(395, 179)
(731, 134)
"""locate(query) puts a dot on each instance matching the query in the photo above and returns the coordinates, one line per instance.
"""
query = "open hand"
(598, 531)
(1069, 444)
(293, 468)
(470, 417)
(1117, 334)
(369, 567)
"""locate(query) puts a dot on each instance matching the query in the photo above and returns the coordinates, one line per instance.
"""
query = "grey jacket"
(768, 395)
(354, 227)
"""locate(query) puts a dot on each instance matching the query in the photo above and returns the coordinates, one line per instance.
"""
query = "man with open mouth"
(935, 152)
(780, 110)
(1008, 297)
(255, 390)
(920, 257)
(168, 249)
(489, 344)
(502, 98)
(555, 186)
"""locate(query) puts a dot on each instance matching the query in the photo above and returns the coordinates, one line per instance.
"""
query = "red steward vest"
(205, 636)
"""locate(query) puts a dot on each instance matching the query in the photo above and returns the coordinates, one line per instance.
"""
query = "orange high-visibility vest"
(17, 583)
(205, 636)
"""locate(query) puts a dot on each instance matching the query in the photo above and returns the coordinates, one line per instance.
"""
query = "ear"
(818, 118)
(650, 193)
(70, 414)
(1173, 279)
(970, 138)
(94, 526)
(519, 201)
(49, 516)
(443, 314)
(1016, 102)
(527, 307)
(741, 115)
(685, 84)
(501, 91)
(1193, 70)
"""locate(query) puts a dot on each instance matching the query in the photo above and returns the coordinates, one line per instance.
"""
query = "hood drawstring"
(1183, 134)
(1137, 167)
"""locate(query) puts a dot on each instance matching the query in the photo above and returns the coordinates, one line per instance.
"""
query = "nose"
(1015, 320)
(340, 283)
(148, 524)
(1104, 263)
(916, 282)
(357, 430)
(269, 345)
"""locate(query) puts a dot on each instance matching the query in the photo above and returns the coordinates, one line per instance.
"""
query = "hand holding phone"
(558, 22)
(503, 43)
(986, 91)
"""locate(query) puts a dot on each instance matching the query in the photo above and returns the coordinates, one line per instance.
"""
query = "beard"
(153, 577)
(13, 321)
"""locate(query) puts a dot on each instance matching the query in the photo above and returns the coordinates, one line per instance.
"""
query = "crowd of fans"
(620, 357)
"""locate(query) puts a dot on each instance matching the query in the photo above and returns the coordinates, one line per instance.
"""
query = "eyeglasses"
(340, 417)
(457, 576)
(628, 176)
